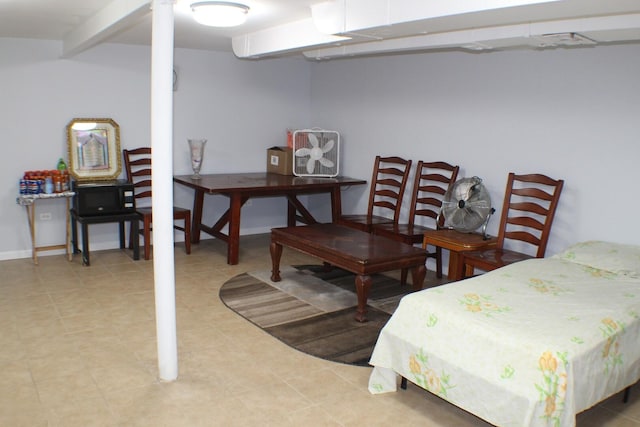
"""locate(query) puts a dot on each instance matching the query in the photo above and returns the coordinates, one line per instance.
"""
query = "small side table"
(29, 202)
(457, 242)
(132, 217)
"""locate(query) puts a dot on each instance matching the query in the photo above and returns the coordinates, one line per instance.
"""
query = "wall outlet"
(45, 216)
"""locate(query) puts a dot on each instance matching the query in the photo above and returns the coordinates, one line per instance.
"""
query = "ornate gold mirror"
(94, 149)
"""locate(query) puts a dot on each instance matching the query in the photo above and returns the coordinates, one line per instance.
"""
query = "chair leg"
(403, 276)
(147, 238)
(438, 262)
(187, 234)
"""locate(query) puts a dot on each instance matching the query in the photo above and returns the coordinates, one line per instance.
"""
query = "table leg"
(85, 244)
(291, 213)
(198, 203)
(454, 266)
(363, 284)
(233, 245)
(336, 204)
(31, 209)
(276, 253)
(68, 231)
(295, 207)
(74, 235)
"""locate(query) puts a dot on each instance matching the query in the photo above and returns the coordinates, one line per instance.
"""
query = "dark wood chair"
(528, 210)
(431, 182)
(388, 183)
(137, 163)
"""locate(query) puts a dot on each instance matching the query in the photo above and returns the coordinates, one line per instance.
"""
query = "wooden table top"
(253, 182)
(352, 249)
(458, 240)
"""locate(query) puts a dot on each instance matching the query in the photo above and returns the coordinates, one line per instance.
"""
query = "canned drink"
(33, 186)
(65, 180)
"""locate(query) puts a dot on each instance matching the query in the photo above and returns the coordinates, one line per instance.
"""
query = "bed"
(530, 344)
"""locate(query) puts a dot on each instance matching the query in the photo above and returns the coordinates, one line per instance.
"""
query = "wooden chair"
(431, 182)
(388, 183)
(528, 210)
(137, 163)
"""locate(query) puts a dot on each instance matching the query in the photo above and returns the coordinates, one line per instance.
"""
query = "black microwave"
(103, 197)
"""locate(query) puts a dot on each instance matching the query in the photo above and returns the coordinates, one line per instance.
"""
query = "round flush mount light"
(219, 13)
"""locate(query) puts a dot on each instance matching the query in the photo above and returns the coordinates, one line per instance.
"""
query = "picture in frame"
(94, 149)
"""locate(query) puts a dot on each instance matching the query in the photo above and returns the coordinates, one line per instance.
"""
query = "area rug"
(312, 309)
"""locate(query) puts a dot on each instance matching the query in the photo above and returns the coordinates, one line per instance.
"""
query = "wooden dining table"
(240, 187)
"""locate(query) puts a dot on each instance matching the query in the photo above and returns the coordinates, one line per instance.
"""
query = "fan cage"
(467, 211)
(323, 136)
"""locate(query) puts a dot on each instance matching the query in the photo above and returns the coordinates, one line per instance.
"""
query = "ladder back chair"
(528, 210)
(388, 183)
(431, 182)
(137, 164)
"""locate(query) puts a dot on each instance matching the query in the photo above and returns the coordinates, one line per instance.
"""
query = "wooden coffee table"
(353, 250)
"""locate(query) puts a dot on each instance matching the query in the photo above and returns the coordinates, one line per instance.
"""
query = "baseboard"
(9, 255)
(102, 246)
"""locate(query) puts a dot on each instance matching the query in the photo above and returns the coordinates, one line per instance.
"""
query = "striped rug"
(312, 309)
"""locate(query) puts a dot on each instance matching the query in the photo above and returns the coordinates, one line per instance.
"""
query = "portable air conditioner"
(316, 152)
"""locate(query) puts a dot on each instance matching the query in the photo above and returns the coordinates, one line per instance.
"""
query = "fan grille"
(316, 152)
(467, 205)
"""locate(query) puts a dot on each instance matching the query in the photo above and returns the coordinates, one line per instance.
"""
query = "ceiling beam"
(281, 39)
(346, 16)
(114, 17)
(605, 29)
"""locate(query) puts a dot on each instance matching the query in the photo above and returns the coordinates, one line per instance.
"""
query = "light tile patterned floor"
(78, 349)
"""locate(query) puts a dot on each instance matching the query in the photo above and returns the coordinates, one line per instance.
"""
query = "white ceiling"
(334, 28)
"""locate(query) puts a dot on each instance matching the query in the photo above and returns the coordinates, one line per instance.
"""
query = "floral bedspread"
(531, 344)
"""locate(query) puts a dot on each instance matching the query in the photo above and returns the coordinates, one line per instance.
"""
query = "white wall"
(241, 107)
(567, 113)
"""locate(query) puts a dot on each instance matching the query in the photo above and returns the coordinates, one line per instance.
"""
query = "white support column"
(162, 187)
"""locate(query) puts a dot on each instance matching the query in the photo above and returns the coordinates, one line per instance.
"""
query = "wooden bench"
(353, 250)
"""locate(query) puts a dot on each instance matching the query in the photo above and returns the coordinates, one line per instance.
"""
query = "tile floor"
(78, 349)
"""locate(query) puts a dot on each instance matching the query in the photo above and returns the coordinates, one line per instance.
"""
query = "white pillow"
(616, 258)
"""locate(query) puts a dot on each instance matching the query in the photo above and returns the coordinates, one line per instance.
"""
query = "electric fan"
(316, 152)
(467, 205)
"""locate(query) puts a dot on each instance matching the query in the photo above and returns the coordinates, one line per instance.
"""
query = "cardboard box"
(280, 160)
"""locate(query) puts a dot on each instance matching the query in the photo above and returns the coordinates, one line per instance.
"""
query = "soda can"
(32, 186)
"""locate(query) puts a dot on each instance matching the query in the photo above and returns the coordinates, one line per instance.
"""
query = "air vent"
(564, 39)
(476, 47)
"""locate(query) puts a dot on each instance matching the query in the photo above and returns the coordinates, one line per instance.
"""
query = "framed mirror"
(94, 149)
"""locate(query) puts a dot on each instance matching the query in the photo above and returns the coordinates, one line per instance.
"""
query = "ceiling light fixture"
(219, 13)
